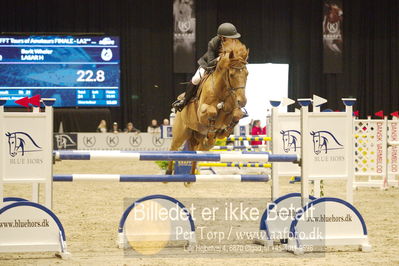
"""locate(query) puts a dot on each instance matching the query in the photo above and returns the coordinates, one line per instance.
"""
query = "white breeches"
(198, 76)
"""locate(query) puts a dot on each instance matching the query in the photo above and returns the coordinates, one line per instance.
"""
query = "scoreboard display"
(76, 70)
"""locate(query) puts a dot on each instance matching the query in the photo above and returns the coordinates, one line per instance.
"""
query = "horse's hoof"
(188, 184)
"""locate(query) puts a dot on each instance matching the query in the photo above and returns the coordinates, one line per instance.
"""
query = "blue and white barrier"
(177, 156)
(248, 138)
(239, 165)
(160, 178)
(239, 147)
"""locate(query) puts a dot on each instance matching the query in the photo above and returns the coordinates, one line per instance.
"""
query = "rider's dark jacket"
(209, 58)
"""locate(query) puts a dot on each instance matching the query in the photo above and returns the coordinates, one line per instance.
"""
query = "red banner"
(333, 36)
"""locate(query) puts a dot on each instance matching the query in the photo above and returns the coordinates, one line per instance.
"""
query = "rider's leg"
(199, 74)
(191, 89)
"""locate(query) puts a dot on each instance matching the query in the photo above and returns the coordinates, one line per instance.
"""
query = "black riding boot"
(191, 90)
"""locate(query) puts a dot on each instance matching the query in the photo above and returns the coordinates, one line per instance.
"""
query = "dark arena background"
(276, 31)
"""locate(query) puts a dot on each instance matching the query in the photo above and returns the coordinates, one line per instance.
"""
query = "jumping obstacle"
(340, 232)
(376, 155)
(249, 165)
(176, 156)
(160, 178)
(26, 144)
(239, 147)
(287, 131)
(209, 166)
(330, 159)
(337, 221)
(248, 138)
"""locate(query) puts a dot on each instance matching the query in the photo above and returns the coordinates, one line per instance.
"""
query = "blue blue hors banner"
(76, 70)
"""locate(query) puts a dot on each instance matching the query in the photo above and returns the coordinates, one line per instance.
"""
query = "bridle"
(231, 88)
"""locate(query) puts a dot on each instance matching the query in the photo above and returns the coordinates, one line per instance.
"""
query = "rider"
(208, 60)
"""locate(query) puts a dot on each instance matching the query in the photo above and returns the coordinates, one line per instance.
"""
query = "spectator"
(131, 129)
(102, 127)
(154, 128)
(165, 122)
(115, 128)
(250, 125)
(257, 130)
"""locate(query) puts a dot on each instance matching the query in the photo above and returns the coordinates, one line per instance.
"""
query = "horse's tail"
(332, 136)
(27, 135)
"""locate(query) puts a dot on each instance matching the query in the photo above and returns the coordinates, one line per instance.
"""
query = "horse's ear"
(282, 132)
(312, 133)
(8, 134)
(231, 54)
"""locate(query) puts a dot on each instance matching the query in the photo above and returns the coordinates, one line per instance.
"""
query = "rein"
(231, 88)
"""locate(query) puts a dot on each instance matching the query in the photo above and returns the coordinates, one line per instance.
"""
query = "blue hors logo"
(21, 142)
(324, 141)
(291, 139)
(64, 141)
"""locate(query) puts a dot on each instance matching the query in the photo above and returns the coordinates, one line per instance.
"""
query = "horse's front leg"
(180, 134)
(169, 169)
(193, 167)
(207, 113)
(231, 122)
(207, 116)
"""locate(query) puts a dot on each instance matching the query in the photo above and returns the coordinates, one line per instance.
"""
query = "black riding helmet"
(228, 30)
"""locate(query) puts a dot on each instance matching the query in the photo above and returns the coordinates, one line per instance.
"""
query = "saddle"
(199, 90)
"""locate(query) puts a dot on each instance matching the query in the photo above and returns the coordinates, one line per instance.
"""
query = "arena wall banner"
(333, 36)
(65, 141)
(122, 141)
(184, 36)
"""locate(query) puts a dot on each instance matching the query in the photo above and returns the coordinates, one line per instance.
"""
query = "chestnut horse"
(217, 108)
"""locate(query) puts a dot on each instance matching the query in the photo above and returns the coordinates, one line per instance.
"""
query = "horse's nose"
(242, 102)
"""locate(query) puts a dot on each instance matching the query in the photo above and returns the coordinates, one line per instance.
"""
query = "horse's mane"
(239, 49)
